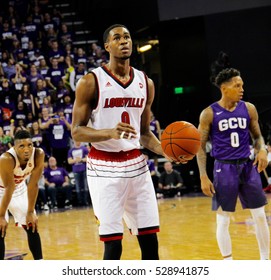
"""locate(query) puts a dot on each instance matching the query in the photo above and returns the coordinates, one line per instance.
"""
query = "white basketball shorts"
(18, 205)
(121, 187)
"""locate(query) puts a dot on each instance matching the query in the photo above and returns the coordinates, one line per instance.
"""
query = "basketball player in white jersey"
(112, 111)
(18, 164)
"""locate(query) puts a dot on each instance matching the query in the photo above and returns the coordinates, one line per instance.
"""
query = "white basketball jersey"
(20, 175)
(119, 102)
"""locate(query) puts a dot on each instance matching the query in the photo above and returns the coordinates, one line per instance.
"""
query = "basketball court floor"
(187, 232)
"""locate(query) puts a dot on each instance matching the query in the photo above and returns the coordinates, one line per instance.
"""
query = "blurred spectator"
(57, 17)
(54, 74)
(65, 36)
(39, 94)
(30, 52)
(56, 52)
(18, 79)
(5, 58)
(170, 182)
(57, 180)
(7, 99)
(33, 76)
(61, 91)
(44, 122)
(43, 67)
(77, 157)
(32, 29)
(59, 138)
(23, 37)
(6, 36)
(37, 16)
(29, 120)
(48, 23)
(28, 99)
(69, 68)
(67, 107)
(48, 38)
(76, 74)
(10, 69)
(19, 113)
(97, 53)
(37, 58)
(47, 104)
(22, 60)
(14, 28)
(79, 57)
(37, 137)
(14, 48)
(45, 119)
(69, 51)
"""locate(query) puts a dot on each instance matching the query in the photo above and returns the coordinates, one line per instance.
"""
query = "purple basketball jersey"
(230, 132)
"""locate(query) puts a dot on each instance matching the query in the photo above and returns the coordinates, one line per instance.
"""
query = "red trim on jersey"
(124, 85)
(113, 156)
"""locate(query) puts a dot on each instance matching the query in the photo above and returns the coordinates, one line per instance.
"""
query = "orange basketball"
(180, 139)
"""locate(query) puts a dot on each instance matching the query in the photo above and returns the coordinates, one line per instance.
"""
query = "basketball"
(180, 139)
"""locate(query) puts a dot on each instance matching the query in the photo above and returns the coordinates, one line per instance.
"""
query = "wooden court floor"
(187, 232)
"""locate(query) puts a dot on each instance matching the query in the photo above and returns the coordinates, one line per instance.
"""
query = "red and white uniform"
(118, 176)
(19, 202)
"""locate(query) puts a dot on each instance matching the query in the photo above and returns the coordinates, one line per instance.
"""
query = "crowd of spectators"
(39, 69)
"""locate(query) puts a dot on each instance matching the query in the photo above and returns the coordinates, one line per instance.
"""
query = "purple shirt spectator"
(54, 75)
(80, 152)
(56, 175)
(59, 135)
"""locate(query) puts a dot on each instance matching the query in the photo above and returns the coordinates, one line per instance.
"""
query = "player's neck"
(227, 104)
(120, 69)
(121, 73)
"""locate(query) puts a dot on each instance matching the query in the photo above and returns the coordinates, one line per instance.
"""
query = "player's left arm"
(33, 189)
(258, 140)
(147, 138)
(7, 164)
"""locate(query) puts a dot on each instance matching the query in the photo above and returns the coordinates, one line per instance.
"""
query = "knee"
(258, 214)
(223, 219)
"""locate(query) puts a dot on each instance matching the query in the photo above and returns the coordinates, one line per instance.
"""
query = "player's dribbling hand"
(124, 131)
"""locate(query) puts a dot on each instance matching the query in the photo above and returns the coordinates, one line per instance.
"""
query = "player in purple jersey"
(229, 123)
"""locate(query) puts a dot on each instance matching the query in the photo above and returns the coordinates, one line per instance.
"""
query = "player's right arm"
(84, 99)
(206, 118)
(7, 164)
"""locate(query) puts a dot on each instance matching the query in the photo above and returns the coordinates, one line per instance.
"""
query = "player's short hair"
(22, 134)
(107, 31)
(225, 76)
